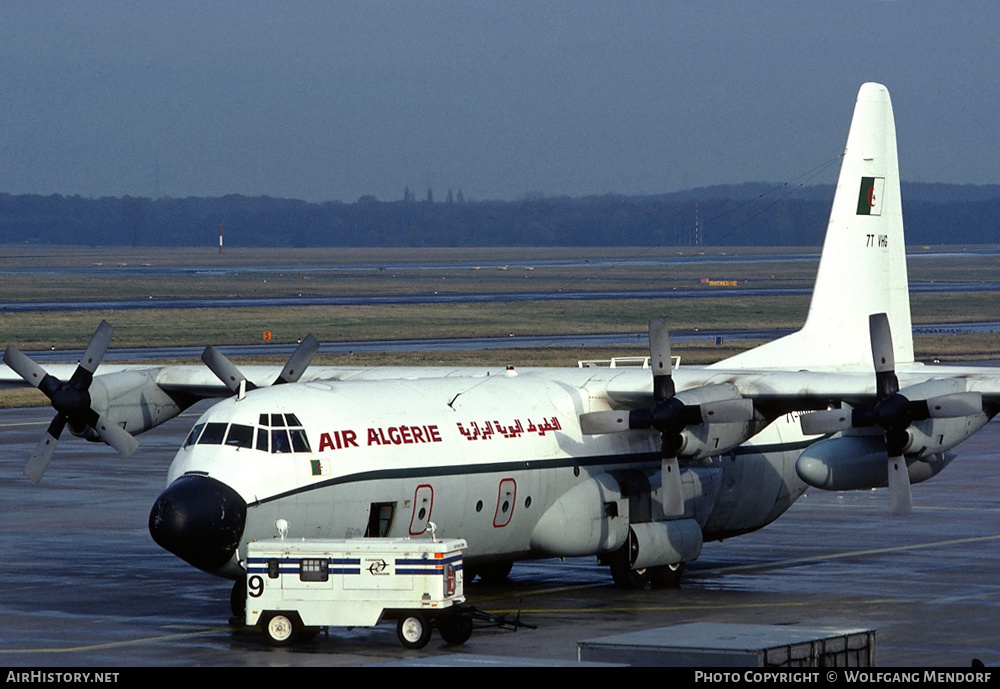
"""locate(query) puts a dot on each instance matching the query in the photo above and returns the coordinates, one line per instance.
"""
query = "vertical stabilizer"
(862, 269)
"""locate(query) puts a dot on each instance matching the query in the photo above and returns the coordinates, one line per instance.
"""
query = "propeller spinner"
(71, 400)
(669, 415)
(892, 412)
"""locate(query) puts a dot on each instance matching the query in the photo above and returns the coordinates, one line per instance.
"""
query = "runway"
(84, 585)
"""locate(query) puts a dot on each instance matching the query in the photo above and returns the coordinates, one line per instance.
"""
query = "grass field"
(130, 273)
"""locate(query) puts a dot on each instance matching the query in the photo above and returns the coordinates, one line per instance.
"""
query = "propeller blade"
(598, 422)
(117, 437)
(727, 411)
(671, 491)
(299, 361)
(40, 459)
(22, 365)
(882, 355)
(955, 405)
(659, 360)
(828, 421)
(97, 348)
(900, 493)
(224, 369)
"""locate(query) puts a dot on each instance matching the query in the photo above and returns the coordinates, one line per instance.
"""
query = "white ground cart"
(295, 588)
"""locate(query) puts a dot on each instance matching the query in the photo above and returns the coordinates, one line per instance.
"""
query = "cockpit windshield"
(274, 433)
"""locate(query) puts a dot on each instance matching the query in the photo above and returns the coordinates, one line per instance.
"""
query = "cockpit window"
(299, 441)
(277, 434)
(193, 436)
(240, 436)
(213, 434)
(279, 441)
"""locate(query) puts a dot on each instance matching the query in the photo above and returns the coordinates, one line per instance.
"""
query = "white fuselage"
(483, 457)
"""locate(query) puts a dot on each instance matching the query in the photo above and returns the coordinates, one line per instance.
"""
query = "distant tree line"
(738, 215)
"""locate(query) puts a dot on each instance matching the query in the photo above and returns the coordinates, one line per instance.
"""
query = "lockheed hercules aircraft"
(637, 466)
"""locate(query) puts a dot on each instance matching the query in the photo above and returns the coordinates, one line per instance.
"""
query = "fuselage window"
(213, 434)
(240, 436)
(193, 436)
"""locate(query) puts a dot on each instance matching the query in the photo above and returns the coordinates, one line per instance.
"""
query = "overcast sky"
(334, 100)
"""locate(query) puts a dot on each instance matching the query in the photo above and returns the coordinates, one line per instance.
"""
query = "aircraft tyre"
(413, 630)
(281, 628)
(624, 576)
(455, 628)
(667, 576)
(238, 598)
(495, 573)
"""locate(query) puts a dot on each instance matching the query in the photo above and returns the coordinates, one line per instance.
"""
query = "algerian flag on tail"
(870, 197)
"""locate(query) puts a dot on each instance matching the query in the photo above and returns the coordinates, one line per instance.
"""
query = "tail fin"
(862, 269)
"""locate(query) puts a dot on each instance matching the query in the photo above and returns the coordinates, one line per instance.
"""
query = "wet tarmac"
(83, 584)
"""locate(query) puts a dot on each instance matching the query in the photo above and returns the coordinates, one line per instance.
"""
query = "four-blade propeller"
(669, 415)
(234, 379)
(72, 402)
(892, 412)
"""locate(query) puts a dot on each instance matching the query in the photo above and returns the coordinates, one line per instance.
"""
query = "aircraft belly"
(758, 481)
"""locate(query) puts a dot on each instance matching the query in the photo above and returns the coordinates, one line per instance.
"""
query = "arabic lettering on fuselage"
(376, 436)
(490, 429)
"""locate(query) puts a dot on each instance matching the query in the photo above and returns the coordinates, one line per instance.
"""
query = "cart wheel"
(413, 631)
(280, 629)
(455, 628)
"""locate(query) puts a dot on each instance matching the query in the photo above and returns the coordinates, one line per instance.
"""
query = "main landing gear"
(628, 579)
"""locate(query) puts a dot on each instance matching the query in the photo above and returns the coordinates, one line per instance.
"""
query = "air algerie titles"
(392, 435)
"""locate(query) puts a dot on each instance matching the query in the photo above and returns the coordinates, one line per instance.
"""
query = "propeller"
(234, 379)
(72, 402)
(669, 415)
(893, 412)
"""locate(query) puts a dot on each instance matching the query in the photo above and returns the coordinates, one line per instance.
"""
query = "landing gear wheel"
(495, 573)
(625, 577)
(238, 599)
(667, 576)
(455, 628)
(413, 631)
(280, 629)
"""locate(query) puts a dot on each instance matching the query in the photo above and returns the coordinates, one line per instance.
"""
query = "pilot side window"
(193, 436)
(279, 441)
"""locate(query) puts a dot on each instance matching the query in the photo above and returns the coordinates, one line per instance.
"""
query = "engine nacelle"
(665, 543)
(711, 439)
(859, 463)
(590, 518)
(131, 399)
(934, 436)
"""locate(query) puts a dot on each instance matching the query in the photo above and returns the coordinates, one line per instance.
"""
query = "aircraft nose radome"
(200, 520)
